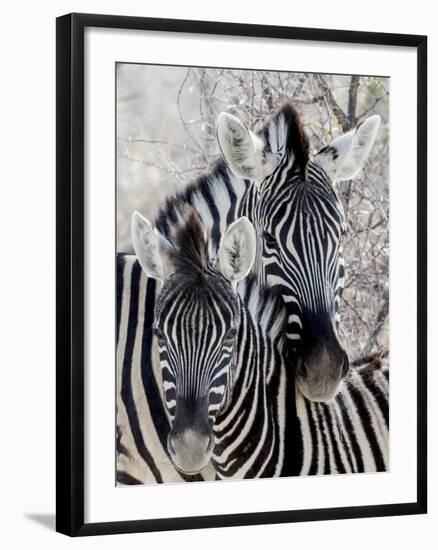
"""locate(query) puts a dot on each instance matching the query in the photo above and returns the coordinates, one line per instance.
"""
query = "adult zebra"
(347, 435)
(295, 206)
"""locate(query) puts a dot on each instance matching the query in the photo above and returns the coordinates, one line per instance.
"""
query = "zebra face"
(196, 322)
(300, 218)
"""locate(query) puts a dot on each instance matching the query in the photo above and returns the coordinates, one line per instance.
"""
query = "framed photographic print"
(241, 274)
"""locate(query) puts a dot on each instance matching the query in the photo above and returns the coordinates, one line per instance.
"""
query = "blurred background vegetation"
(166, 137)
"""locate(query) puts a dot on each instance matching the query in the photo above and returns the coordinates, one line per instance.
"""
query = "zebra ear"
(346, 155)
(237, 250)
(241, 149)
(150, 248)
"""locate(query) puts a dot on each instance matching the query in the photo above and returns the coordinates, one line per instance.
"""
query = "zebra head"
(300, 216)
(196, 322)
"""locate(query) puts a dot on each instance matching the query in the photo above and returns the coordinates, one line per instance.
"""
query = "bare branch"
(352, 99)
(378, 324)
(337, 111)
(181, 117)
(372, 107)
(156, 142)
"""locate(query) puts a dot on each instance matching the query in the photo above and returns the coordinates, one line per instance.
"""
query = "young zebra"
(221, 351)
(349, 434)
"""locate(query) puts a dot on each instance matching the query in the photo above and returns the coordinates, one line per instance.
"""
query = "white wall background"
(27, 301)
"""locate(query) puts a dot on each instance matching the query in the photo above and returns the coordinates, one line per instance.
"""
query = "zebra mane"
(213, 191)
(285, 131)
(210, 191)
(265, 306)
(190, 250)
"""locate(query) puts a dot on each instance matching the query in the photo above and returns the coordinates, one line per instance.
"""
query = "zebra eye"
(159, 334)
(270, 239)
(231, 334)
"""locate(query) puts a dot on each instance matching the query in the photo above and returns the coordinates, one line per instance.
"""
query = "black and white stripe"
(351, 433)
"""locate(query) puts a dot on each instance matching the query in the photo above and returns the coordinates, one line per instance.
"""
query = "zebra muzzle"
(190, 450)
(319, 376)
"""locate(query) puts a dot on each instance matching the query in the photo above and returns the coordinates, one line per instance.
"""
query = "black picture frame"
(70, 273)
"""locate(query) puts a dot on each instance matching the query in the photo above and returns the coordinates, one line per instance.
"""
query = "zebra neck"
(249, 430)
(255, 350)
(216, 197)
(261, 345)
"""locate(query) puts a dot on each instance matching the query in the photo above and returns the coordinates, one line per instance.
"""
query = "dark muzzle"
(322, 362)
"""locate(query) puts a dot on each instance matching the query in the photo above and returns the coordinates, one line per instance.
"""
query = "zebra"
(221, 350)
(348, 435)
(298, 212)
(294, 204)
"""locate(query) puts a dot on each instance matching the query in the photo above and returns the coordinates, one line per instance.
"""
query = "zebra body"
(349, 434)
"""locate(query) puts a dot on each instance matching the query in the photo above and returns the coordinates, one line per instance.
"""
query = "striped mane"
(218, 183)
(219, 189)
(190, 253)
(285, 131)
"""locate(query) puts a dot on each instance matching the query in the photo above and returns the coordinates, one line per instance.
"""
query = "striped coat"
(349, 434)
